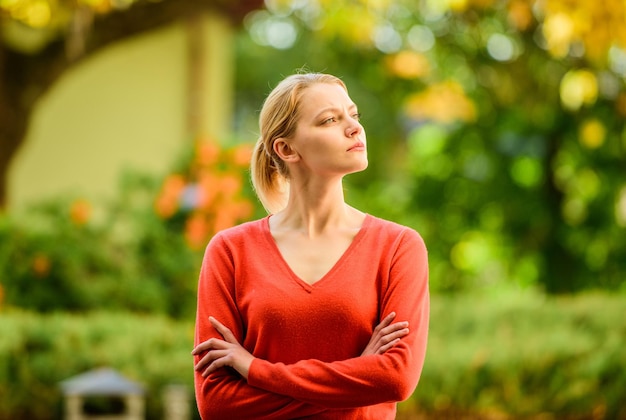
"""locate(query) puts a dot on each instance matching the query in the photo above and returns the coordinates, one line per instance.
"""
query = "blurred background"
(495, 128)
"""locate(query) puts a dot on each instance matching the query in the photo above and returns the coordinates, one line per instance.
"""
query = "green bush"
(126, 257)
(505, 356)
(140, 252)
(526, 354)
(39, 351)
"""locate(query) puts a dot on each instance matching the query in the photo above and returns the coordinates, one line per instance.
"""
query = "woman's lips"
(358, 147)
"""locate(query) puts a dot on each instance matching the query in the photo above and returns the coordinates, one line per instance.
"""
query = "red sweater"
(307, 339)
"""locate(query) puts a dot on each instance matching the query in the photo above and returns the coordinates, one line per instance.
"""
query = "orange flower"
(166, 203)
(207, 153)
(80, 211)
(173, 185)
(520, 14)
(243, 209)
(230, 185)
(620, 104)
(224, 218)
(207, 182)
(41, 265)
(165, 206)
(242, 155)
(196, 231)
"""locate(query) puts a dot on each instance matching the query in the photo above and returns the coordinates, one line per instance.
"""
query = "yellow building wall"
(125, 107)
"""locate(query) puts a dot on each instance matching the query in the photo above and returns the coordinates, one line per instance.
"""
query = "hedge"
(505, 356)
(526, 356)
(38, 351)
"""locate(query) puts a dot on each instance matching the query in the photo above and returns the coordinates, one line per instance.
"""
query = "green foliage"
(57, 258)
(524, 355)
(491, 218)
(513, 355)
(510, 167)
(141, 252)
(44, 350)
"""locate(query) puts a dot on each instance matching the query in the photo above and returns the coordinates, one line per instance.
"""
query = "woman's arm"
(224, 393)
(228, 352)
(386, 376)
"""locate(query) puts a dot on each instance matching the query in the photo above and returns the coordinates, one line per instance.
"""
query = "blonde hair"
(278, 119)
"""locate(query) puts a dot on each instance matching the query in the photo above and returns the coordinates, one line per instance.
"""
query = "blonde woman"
(317, 310)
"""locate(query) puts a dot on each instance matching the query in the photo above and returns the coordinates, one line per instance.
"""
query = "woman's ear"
(284, 151)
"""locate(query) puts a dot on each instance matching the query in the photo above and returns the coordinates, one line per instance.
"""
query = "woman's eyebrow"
(334, 109)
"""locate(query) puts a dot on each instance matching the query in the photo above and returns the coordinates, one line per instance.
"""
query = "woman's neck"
(315, 210)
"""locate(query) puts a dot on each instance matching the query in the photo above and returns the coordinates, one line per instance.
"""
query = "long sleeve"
(307, 339)
(224, 393)
(361, 381)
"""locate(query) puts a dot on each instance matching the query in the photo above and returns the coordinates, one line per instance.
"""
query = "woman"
(296, 311)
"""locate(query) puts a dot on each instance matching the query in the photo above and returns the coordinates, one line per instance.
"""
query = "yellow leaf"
(38, 14)
(592, 133)
(442, 102)
(408, 65)
(578, 88)
(558, 30)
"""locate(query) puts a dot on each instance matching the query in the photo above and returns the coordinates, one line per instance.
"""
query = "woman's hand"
(386, 335)
(220, 353)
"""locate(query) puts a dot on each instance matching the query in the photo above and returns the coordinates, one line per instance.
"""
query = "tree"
(42, 39)
(505, 119)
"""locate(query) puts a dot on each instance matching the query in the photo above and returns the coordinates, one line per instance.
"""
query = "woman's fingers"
(387, 346)
(386, 335)
(389, 332)
(223, 330)
(203, 362)
(226, 333)
(390, 340)
(222, 352)
(208, 346)
(396, 326)
(205, 346)
(213, 360)
(385, 322)
(199, 348)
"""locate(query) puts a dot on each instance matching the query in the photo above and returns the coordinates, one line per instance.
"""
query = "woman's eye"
(328, 120)
(357, 116)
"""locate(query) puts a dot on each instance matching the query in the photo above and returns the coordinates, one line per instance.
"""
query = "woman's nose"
(353, 128)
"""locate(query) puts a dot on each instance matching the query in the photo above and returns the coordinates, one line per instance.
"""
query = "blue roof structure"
(102, 381)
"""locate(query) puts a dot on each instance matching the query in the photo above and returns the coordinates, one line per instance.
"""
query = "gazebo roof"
(102, 381)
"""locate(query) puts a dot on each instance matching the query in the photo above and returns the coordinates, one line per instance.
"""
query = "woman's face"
(329, 139)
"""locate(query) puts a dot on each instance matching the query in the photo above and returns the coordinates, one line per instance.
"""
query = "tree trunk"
(18, 94)
(562, 271)
(25, 78)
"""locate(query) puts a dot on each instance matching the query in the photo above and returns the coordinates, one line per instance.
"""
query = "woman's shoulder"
(389, 225)
(388, 230)
(243, 231)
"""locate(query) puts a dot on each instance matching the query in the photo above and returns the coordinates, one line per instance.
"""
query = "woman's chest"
(288, 320)
(311, 259)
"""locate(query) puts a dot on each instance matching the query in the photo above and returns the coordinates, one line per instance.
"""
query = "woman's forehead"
(322, 95)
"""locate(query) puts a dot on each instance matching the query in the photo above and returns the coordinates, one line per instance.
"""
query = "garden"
(495, 129)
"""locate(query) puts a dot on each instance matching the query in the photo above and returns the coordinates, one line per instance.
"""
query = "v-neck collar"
(310, 286)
